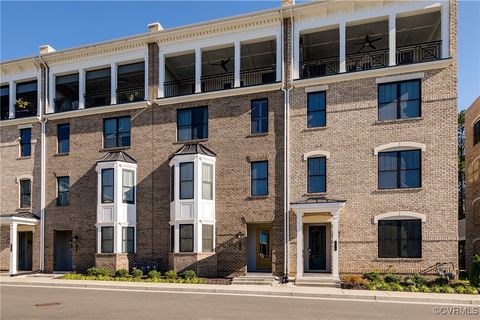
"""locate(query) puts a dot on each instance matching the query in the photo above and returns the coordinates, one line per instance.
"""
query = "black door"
(317, 248)
(63, 250)
(25, 251)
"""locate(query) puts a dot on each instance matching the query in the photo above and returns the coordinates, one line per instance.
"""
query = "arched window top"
(316, 153)
(399, 215)
(24, 177)
(475, 200)
(398, 146)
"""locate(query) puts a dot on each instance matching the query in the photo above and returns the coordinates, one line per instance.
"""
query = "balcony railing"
(127, 95)
(97, 99)
(217, 82)
(66, 104)
(367, 60)
(422, 52)
(258, 76)
(27, 112)
(319, 68)
(176, 88)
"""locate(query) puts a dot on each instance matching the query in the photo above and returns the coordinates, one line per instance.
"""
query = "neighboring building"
(269, 142)
(472, 177)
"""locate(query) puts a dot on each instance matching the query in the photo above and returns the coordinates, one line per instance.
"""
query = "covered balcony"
(4, 102)
(66, 93)
(26, 99)
(97, 88)
(218, 69)
(319, 53)
(131, 82)
(179, 75)
(258, 63)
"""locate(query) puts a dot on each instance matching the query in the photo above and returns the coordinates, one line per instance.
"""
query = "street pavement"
(33, 302)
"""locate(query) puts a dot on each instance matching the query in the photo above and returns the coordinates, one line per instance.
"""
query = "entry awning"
(20, 217)
(317, 204)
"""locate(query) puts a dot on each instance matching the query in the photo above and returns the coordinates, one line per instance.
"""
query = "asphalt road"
(75, 303)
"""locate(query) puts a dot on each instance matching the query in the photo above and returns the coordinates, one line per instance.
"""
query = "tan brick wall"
(472, 174)
(4, 247)
(204, 264)
(112, 261)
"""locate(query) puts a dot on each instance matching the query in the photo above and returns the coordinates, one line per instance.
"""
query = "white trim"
(475, 200)
(316, 88)
(396, 146)
(475, 120)
(399, 215)
(17, 121)
(25, 126)
(314, 153)
(18, 220)
(24, 177)
(402, 77)
(475, 240)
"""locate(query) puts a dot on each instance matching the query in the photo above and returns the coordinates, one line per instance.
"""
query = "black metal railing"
(29, 111)
(132, 94)
(97, 99)
(320, 67)
(217, 82)
(181, 87)
(367, 60)
(258, 76)
(66, 104)
(421, 52)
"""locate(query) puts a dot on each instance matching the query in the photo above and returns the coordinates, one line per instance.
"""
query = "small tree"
(474, 272)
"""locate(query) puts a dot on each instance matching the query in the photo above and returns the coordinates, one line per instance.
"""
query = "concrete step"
(317, 282)
(255, 280)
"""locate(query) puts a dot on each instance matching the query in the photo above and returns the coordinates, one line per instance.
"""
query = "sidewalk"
(278, 291)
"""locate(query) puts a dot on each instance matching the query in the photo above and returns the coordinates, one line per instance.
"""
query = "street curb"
(372, 298)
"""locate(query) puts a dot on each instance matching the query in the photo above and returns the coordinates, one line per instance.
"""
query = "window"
(192, 124)
(25, 193)
(207, 181)
(476, 132)
(172, 183)
(207, 238)
(259, 176)
(63, 191)
(317, 174)
(186, 180)
(186, 238)
(116, 132)
(399, 169)
(399, 239)
(128, 186)
(259, 116)
(128, 234)
(107, 185)
(316, 110)
(107, 239)
(399, 100)
(26, 142)
(26, 99)
(4, 102)
(63, 136)
(172, 238)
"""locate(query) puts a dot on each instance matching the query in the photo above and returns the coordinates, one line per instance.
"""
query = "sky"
(25, 25)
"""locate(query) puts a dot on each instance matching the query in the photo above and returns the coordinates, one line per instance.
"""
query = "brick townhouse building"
(312, 138)
(472, 181)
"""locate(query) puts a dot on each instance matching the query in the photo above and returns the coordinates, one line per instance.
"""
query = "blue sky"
(24, 26)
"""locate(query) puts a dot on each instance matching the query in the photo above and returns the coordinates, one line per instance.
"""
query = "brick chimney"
(46, 49)
(287, 3)
(155, 26)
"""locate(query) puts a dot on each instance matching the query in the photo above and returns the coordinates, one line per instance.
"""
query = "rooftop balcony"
(26, 99)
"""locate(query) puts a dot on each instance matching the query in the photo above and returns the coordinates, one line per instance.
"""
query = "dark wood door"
(317, 248)
(63, 250)
(25, 251)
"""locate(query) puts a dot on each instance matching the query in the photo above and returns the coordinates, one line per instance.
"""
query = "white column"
(51, 84)
(299, 244)
(81, 89)
(335, 244)
(278, 63)
(445, 26)
(176, 240)
(12, 96)
(161, 75)
(392, 39)
(146, 97)
(198, 70)
(39, 93)
(113, 83)
(343, 53)
(237, 61)
(99, 239)
(197, 195)
(13, 248)
(296, 55)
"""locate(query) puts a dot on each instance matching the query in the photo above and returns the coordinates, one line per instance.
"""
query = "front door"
(63, 250)
(264, 249)
(25, 243)
(317, 248)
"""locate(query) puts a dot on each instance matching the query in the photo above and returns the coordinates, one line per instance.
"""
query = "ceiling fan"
(367, 43)
(222, 63)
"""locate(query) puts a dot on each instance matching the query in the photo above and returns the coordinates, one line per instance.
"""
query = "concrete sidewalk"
(278, 291)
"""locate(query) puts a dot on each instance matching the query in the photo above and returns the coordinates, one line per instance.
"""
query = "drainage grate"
(51, 304)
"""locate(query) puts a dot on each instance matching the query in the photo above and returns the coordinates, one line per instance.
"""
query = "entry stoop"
(320, 281)
(260, 279)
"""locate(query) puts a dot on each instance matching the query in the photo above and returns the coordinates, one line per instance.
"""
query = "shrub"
(189, 274)
(436, 289)
(355, 282)
(105, 272)
(440, 281)
(396, 286)
(423, 288)
(154, 274)
(472, 290)
(371, 276)
(411, 288)
(392, 278)
(460, 289)
(121, 273)
(137, 273)
(170, 274)
(417, 279)
(93, 271)
(447, 289)
(474, 271)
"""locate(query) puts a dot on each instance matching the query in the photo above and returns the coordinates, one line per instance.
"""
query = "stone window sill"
(258, 197)
(61, 154)
(397, 121)
(399, 190)
(399, 259)
(114, 149)
(316, 194)
(191, 141)
(255, 135)
(315, 129)
(26, 209)
(24, 158)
